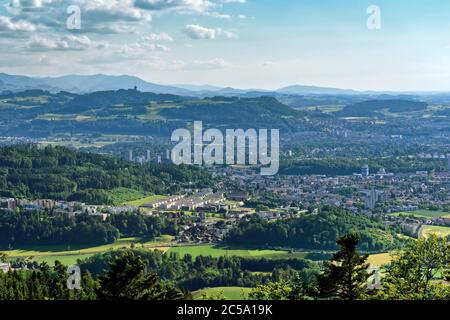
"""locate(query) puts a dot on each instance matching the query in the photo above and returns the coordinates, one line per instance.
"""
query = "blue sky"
(240, 43)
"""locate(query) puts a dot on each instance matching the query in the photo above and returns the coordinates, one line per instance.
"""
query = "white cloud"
(158, 37)
(212, 64)
(95, 14)
(68, 42)
(188, 5)
(195, 31)
(218, 15)
(140, 49)
(154, 47)
(234, 1)
(29, 3)
(101, 10)
(6, 24)
(227, 34)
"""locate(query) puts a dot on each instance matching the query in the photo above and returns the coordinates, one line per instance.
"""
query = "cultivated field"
(422, 214)
(426, 231)
(140, 202)
(379, 260)
(70, 254)
(226, 293)
(214, 251)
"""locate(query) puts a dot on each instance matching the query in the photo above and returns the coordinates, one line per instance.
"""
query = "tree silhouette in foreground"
(128, 280)
(345, 275)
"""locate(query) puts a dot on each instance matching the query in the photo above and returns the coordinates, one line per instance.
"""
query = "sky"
(265, 44)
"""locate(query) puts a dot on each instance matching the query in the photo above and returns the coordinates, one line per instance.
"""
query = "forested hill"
(374, 107)
(60, 173)
(314, 231)
(37, 113)
(260, 112)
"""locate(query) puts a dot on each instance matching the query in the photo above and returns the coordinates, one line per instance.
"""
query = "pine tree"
(345, 275)
(128, 280)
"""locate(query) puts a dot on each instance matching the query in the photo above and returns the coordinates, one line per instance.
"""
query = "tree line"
(194, 273)
(316, 231)
(28, 171)
(125, 279)
(348, 166)
(418, 272)
(37, 227)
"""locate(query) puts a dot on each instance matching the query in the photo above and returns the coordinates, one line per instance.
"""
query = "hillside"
(131, 112)
(375, 107)
(84, 84)
(241, 112)
(63, 174)
(313, 231)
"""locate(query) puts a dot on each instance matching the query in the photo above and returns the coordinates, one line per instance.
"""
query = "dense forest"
(204, 271)
(348, 166)
(262, 112)
(100, 103)
(125, 278)
(137, 274)
(44, 228)
(28, 171)
(372, 107)
(39, 128)
(315, 231)
(131, 112)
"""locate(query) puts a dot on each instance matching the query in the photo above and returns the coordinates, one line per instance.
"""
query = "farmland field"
(426, 231)
(142, 201)
(214, 251)
(422, 214)
(227, 293)
(71, 254)
(66, 260)
(379, 260)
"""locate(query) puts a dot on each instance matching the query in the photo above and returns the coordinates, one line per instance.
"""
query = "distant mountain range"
(84, 84)
(100, 82)
(302, 90)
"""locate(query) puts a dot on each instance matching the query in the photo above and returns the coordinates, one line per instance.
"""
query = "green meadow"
(142, 201)
(226, 293)
(66, 260)
(216, 251)
(422, 214)
(70, 254)
(426, 231)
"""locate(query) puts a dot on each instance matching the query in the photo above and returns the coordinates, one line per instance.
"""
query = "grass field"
(121, 196)
(379, 260)
(426, 231)
(66, 260)
(422, 214)
(71, 254)
(142, 201)
(261, 273)
(210, 250)
(220, 293)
